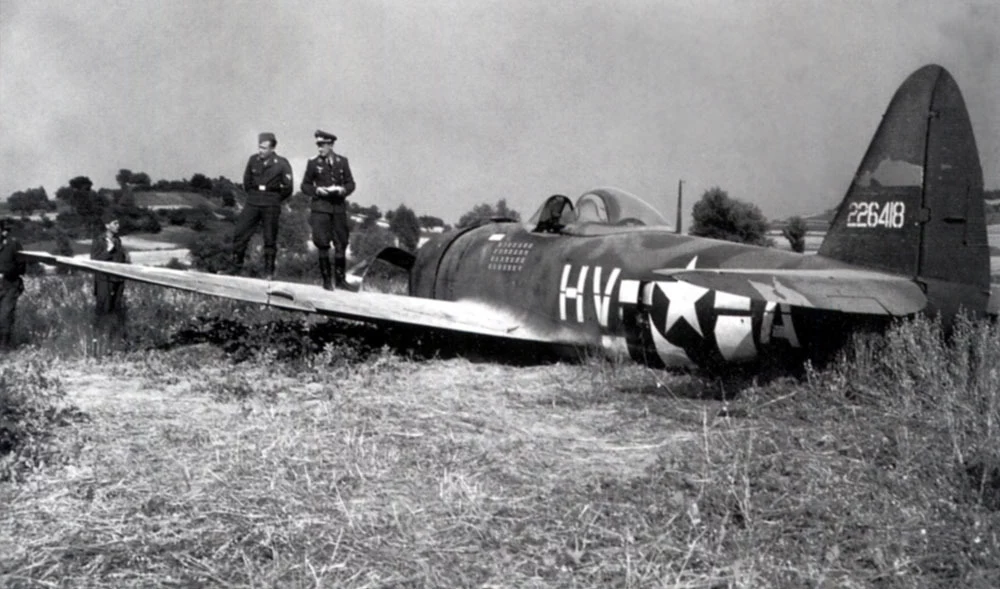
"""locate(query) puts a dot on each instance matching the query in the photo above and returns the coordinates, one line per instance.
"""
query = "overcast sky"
(445, 104)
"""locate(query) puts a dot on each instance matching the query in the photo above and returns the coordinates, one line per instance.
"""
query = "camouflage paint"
(911, 222)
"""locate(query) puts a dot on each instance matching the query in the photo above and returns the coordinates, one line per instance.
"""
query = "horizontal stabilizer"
(469, 317)
(848, 291)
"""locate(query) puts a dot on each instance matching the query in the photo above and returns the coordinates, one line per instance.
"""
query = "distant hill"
(157, 200)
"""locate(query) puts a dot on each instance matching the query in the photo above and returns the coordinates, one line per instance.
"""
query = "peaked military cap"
(324, 137)
(267, 137)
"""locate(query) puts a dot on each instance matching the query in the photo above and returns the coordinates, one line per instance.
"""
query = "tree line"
(715, 215)
(77, 209)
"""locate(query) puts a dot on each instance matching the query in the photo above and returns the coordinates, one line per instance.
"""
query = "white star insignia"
(682, 297)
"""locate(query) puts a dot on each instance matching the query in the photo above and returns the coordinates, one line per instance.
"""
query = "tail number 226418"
(869, 214)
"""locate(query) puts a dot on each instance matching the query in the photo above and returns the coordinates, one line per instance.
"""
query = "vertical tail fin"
(915, 206)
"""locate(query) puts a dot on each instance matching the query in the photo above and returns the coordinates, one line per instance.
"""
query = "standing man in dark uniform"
(329, 182)
(267, 181)
(109, 291)
(11, 284)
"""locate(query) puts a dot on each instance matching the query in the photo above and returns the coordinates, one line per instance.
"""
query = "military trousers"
(250, 218)
(110, 312)
(330, 228)
(10, 290)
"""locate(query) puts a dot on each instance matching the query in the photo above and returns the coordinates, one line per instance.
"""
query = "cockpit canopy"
(600, 207)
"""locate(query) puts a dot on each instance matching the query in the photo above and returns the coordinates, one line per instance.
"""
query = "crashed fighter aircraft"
(607, 272)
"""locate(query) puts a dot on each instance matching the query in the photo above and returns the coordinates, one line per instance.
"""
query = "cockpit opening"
(555, 214)
(595, 209)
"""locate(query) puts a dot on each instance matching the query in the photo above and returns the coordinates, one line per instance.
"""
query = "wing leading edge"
(845, 290)
(469, 317)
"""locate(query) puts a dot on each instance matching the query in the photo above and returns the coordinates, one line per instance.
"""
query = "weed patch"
(32, 406)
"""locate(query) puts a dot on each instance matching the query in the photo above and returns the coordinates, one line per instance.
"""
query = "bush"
(77, 226)
(795, 233)
(177, 216)
(195, 218)
(406, 227)
(136, 220)
(32, 405)
(175, 264)
(367, 242)
(287, 339)
(213, 252)
(718, 216)
(34, 231)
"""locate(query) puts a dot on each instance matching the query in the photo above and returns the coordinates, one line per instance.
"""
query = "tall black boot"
(269, 265)
(325, 271)
(340, 271)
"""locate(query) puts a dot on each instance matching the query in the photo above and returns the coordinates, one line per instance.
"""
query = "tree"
(718, 216)
(795, 233)
(141, 179)
(81, 183)
(226, 190)
(405, 225)
(505, 212)
(63, 247)
(428, 221)
(126, 197)
(29, 201)
(123, 177)
(485, 212)
(87, 204)
(201, 182)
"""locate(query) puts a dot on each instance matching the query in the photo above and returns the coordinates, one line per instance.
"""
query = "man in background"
(109, 291)
(11, 284)
(329, 182)
(267, 181)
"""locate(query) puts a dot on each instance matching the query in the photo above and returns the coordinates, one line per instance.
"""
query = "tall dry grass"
(381, 471)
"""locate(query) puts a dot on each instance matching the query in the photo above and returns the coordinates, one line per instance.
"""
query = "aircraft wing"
(849, 291)
(470, 317)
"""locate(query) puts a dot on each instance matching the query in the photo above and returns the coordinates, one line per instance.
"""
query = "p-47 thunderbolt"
(607, 272)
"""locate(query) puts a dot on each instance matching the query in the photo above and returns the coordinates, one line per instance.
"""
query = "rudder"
(915, 206)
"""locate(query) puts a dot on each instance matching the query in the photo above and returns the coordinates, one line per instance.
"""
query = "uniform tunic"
(328, 219)
(267, 182)
(109, 291)
(11, 286)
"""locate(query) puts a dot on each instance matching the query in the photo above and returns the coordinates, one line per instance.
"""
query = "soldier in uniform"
(109, 291)
(11, 284)
(267, 181)
(329, 182)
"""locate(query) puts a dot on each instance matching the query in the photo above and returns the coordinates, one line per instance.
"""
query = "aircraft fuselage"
(602, 288)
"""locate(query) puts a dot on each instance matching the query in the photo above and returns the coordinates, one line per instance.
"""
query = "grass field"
(363, 466)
